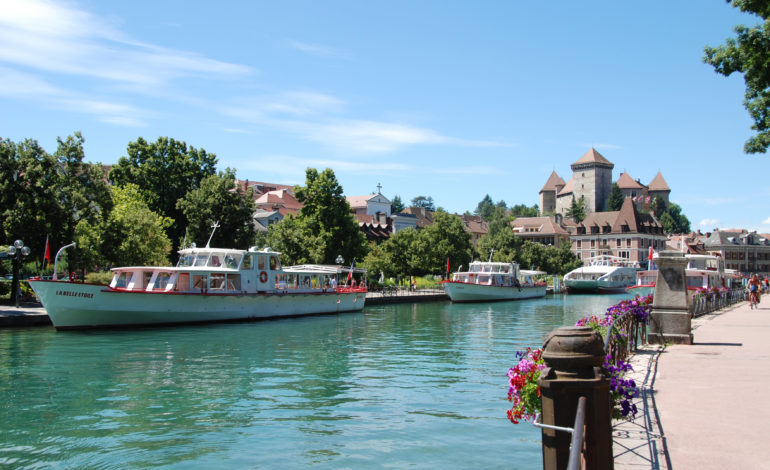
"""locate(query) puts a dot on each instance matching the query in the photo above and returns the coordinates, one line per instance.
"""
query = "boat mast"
(491, 252)
(215, 226)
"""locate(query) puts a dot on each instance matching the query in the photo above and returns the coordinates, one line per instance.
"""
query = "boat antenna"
(215, 226)
(491, 252)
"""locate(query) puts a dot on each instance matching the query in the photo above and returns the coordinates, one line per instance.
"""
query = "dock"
(28, 314)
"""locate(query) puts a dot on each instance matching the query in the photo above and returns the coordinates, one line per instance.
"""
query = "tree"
(130, 235)
(445, 239)
(485, 208)
(164, 171)
(749, 53)
(219, 199)
(673, 221)
(422, 201)
(502, 240)
(521, 210)
(615, 201)
(397, 205)
(578, 209)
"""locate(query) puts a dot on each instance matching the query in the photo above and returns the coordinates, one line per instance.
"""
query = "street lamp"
(17, 250)
(339, 259)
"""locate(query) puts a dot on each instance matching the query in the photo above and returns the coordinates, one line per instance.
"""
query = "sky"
(448, 99)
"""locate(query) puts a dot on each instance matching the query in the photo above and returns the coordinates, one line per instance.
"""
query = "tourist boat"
(702, 272)
(602, 274)
(491, 281)
(206, 285)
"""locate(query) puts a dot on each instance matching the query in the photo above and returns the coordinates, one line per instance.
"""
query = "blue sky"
(448, 99)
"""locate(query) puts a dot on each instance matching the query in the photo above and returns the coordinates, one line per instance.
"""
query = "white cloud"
(318, 49)
(709, 222)
(766, 221)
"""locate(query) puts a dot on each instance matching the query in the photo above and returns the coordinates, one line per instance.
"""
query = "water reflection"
(413, 385)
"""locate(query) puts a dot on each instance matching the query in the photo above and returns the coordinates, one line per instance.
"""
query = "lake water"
(401, 386)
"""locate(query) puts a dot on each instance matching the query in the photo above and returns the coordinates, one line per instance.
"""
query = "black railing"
(620, 346)
(703, 303)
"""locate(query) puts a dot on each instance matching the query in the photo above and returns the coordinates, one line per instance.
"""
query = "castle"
(592, 179)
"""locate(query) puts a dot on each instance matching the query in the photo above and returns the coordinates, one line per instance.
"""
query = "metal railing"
(620, 346)
(577, 431)
(701, 304)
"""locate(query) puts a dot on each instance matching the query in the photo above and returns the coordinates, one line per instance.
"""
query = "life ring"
(263, 276)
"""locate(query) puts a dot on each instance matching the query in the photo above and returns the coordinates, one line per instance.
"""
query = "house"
(474, 225)
(273, 206)
(373, 212)
(626, 233)
(744, 251)
(546, 230)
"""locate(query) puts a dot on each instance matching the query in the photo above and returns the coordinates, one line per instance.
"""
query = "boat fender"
(263, 276)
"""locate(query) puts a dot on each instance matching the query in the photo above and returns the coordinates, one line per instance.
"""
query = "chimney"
(383, 218)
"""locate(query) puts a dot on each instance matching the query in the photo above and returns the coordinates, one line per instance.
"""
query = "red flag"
(47, 257)
(447, 265)
(650, 255)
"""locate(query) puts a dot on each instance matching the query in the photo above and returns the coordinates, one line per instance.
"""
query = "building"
(474, 225)
(744, 251)
(626, 233)
(592, 180)
(273, 206)
(373, 212)
(546, 230)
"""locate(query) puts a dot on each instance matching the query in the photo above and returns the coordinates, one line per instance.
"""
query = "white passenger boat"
(207, 285)
(602, 274)
(702, 272)
(492, 281)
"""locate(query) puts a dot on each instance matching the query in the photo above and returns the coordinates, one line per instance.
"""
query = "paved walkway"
(702, 406)
(28, 314)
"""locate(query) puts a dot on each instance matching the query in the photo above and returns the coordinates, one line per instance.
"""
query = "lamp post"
(339, 259)
(17, 250)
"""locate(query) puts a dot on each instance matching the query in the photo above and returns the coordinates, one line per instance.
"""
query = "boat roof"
(321, 268)
(492, 263)
(531, 272)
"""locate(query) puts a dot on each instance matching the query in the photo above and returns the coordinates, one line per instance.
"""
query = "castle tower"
(548, 194)
(659, 188)
(592, 179)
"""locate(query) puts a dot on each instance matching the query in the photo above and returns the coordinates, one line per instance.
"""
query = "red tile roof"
(592, 156)
(626, 182)
(658, 183)
(553, 183)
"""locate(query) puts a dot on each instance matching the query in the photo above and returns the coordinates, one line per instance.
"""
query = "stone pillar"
(574, 356)
(671, 321)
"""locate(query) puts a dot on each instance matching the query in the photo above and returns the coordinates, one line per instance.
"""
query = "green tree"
(130, 235)
(397, 205)
(749, 53)
(164, 171)
(505, 244)
(577, 209)
(560, 260)
(522, 210)
(295, 241)
(615, 201)
(674, 221)
(658, 206)
(422, 201)
(219, 199)
(485, 208)
(445, 239)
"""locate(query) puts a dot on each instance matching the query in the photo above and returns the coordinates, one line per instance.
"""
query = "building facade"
(746, 252)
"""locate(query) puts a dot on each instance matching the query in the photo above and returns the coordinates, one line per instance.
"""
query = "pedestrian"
(754, 287)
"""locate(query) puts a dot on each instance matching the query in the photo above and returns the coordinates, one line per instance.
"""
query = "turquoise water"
(413, 385)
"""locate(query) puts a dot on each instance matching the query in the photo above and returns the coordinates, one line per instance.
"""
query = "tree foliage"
(522, 210)
(674, 221)
(397, 205)
(164, 170)
(422, 201)
(615, 200)
(749, 53)
(577, 209)
(324, 227)
(219, 200)
(485, 208)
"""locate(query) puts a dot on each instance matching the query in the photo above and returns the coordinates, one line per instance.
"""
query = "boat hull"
(467, 292)
(577, 286)
(79, 306)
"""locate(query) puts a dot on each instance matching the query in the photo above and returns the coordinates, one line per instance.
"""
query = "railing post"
(671, 321)
(573, 356)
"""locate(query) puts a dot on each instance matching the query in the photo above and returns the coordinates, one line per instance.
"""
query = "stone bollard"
(670, 319)
(573, 356)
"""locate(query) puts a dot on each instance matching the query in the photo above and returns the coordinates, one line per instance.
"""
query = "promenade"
(702, 405)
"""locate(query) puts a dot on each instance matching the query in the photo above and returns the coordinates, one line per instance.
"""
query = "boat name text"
(66, 293)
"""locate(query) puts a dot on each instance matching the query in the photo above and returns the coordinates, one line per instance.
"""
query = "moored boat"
(494, 281)
(206, 285)
(702, 272)
(602, 274)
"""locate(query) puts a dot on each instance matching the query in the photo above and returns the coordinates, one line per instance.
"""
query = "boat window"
(292, 281)
(200, 281)
(200, 260)
(215, 261)
(246, 262)
(183, 282)
(280, 281)
(146, 276)
(161, 280)
(233, 282)
(122, 280)
(185, 260)
(305, 281)
(232, 261)
(274, 265)
(261, 262)
(217, 281)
